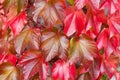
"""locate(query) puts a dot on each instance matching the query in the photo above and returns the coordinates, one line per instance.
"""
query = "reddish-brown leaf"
(82, 47)
(63, 70)
(32, 62)
(29, 38)
(9, 72)
(54, 44)
(54, 8)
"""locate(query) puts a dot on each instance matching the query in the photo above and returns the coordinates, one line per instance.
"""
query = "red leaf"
(109, 65)
(63, 70)
(32, 62)
(8, 58)
(111, 5)
(95, 68)
(74, 22)
(103, 42)
(16, 24)
(81, 3)
(114, 24)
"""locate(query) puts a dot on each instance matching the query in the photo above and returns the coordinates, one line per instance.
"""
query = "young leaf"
(82, 47)
(32, 62)
(63, 70)
(29, 38)
(9, 72)
(53, 7)
(54, 44)
(74, 22)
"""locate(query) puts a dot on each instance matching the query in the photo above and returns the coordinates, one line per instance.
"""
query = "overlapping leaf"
(83, 47)
(74, 22)
(114, 24)
(8, 4)
(8, 58)
(32, 62)
(29, 38)
(54, 44)
(9, 72)
(103, 42)
(81, 3)
(63, 70)
(109, 65)
(16, 24)
(54, 8)
(111, 6)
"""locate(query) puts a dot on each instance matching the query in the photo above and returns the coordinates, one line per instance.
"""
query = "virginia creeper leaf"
(16, 24)
(82, 47)
(32, 62)
(53, 7)
(54, 44)
(109, 65)
(74, 22)
(103, 42)
(114, 24)
(8, 58)
(9, 72)
(63, 70)
(29, 38)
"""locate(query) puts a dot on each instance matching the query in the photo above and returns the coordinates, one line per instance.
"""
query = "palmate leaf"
(82, 47)
(110, 5)
(54, 44)
(32, 62)
(16, 24)
(62, 70)
(19, 4)
(55, 9)
(29, 38)
(103, 42)
(109, 65)
(114, 23)
(81, 3)
(74, 22)
(9, 72)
